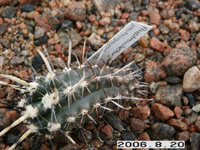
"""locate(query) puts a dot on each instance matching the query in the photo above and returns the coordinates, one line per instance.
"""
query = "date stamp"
(151, 144)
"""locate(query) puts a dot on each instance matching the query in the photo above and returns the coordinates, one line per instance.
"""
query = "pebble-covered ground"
(169, 54)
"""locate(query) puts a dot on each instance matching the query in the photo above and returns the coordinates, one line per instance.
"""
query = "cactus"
(58, 101)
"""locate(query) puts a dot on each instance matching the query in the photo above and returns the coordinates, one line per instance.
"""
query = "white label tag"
(132, 32)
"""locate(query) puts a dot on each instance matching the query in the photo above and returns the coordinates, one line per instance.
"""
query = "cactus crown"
(61, 100)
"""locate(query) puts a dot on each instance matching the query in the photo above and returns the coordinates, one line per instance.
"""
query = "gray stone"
(39, 32)
(195, 141)
(170, 95)
(64, 38)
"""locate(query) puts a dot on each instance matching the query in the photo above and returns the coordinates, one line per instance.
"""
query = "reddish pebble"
(185, 35)
(178, 124)
(12, 115)
(123, 114)
(143, 137)
(156, 44)
(107, 129)
(125, 15)
(58, 48)
(155, 17)
(183, 136)
(92, 18)
(26, 145)
(153, 72)
(76, 11)
(178, 111)
(142, 112)
(104, 21)
(162, 112)
(137, 125)
(197, 125)
(121, 21)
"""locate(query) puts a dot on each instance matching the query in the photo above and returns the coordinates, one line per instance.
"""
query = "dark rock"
(161, 131)
(179, 60)
(82, 135)
(3, 28)
(114, 121)
(195, 141)
(137, 125)
(66, 24)
(9, 12)
(37, 62)
(28, 7)
(128, 135)
(42, 40)
(192, 4)
(190, 98)
(11, 139)
(173, 80)
(54, 23)
(170, 95)
(145, 2)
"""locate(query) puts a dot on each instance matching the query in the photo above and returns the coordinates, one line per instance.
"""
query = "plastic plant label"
(132, 32)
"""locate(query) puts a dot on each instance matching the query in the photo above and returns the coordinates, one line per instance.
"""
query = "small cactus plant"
(59, 100)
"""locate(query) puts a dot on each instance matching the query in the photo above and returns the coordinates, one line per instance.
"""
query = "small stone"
(1, 63)
(179, 60)
(66, 24)
(28, 7)
(183, 136)
(144, 40)
(154, 17)
(196, 108)
(143, 137)
(195, 141)
(139, 57)
(153, 72)
(178, 111)
(16, 60)
(5, 2)
(3, 28)
(173, 80)
(96, 143)
(170, 95)
(64, 38)
(145, 2)
(43, 22)
(192, 4)
(191, 79)
(161, 131)
(178, 124)
(105, 21)
(37, 62)
(65, 2)
(193, 26)
(105, 5)
(125, 15)
(190, 98)
(142, 112)
(107, 129)
(128, 135)
(70, 147)
(156, 44)
(96, 40)
(173, 27)
(114, 121)
(22, 2)
(164, 29)
(185, 35)
(197, 39)
(197, 125)
(5, 42)
(39, 32)
(123, 114)
(76, 11)
(42, 40)
(137, 125)
(12, 115)
(9, 12)
(54, 22)
(162, 112)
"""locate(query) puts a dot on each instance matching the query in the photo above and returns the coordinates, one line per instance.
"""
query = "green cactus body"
(59, 101)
